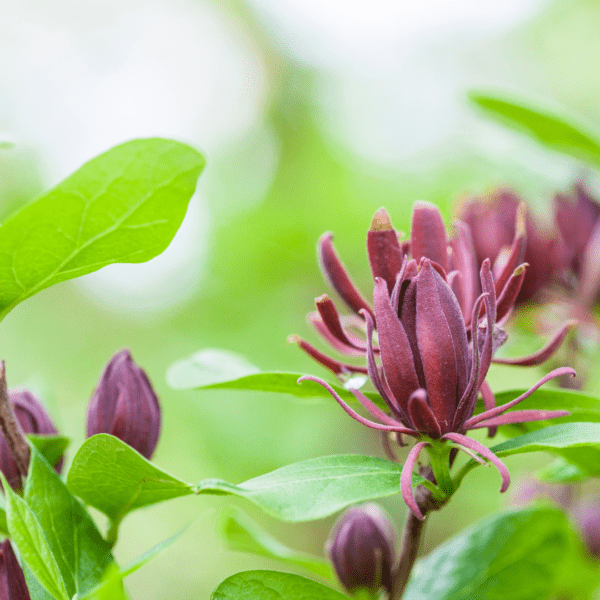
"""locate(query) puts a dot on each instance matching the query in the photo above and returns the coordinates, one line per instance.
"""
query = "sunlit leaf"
(51, 447)
(242, 534)
(315, 488)
(559, 133)
(510, 556)
(271, 585)
(114, 478)
(123, 206)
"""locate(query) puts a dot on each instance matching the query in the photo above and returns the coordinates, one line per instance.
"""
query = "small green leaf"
(315, 488)
(563, 471)
(51, 447)
(76, 544)
(559, 133)
(123, 206)
(3, 524)
(28, 536)
(579, 443)
(111, 476)
(273, 585)
(510, 556)
(242, 534)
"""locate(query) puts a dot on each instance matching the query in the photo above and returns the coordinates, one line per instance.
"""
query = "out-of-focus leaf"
(563, 471)
(76, 544)
(114, 478)
(551, 130)
(51, 447)
(221, 370)
(123, 206)
(511, 556)
(242, 534)
(28, 536)
(315, 488)
(271, 585)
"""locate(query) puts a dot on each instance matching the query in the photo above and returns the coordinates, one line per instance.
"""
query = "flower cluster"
(436, 335)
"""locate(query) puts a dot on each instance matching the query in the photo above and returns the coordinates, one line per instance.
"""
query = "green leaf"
(562, 471)
(559, 133)
(111, 476)
(3, 524)
(579, 443)
(273, 585)
(510, 556)
(582, 406)
(242, 534)
(28, 536)
(123, 206)
(51, 447)
(76, 544)
(315, 488)
(212, 369)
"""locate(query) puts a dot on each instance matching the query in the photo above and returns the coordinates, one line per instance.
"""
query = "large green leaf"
(315, 488)
(242, 534)
(123, 206)
(76, 544)
(556, 132)
(511, 556)
(111, 476)
(273, 585)
(51, 447)
(28, 535)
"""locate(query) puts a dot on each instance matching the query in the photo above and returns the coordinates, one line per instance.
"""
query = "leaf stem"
(411, 540)
(10, 428)
(113, 532)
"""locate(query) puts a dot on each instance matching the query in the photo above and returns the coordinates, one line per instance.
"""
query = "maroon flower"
(362, 549)
(431, 373)
(33, 418)
(125, 405)
(12, 579)
(494, 222)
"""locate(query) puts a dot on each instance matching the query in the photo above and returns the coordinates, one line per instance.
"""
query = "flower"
(362, 549)
(494, 220)
(33, 418)
(12, 579)
(431, 373)
(125, 405)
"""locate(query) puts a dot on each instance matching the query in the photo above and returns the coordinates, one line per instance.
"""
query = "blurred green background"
(312, 116)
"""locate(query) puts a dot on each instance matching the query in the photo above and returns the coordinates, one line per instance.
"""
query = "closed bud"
(32, 418)
(125, 405)
(12, 580)
(362, 549)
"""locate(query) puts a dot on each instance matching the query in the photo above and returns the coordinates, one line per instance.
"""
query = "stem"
(10, 428)
(439, 456)
(411, 540)
(113, 532)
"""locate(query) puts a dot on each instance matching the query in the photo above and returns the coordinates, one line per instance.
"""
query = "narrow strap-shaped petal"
(373, 409)
(396, 354)
(517, 250)
(509, 294)
(464, 260)
(383, 248)
(337, 367)
(396, 291)
(428, 234)
(422, 416)
(436, 347)
(542, 355)
(487, 284)
(352, 412)
(406, 480)
(494, 412)
(338, 276)
(489, 402)
(330, 318)
(380, 385)
(467, 442)
(467, 403)
(521, 416)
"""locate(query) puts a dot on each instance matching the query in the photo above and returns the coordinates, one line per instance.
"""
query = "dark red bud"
(362, 549)
(12, 580)
(32, 418)
(125, 405)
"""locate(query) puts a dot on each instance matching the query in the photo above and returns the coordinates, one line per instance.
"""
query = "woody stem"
(10, 428)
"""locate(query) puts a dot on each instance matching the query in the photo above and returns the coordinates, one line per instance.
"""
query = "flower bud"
(32, 418)
(125, 405)
(362, 549)
(12, 580)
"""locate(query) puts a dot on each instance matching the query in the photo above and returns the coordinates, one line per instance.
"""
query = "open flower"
(431, 373)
